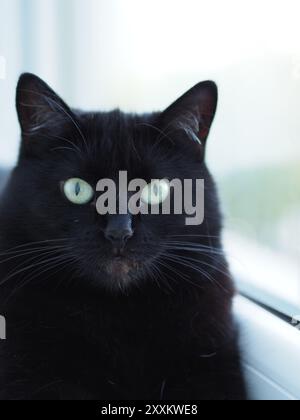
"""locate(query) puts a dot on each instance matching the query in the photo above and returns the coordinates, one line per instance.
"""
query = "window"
(142, 55)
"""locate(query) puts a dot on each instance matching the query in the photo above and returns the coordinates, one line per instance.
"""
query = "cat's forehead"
(117, 141)
(117, 125)
(116, 131)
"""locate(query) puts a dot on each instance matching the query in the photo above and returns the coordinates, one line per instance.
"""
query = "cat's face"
(59, 145)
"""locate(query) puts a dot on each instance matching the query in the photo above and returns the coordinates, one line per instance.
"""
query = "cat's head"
(64, 153)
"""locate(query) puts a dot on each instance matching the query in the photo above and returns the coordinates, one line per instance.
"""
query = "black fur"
(82, 324)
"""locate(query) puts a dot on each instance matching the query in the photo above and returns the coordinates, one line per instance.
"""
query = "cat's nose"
(119, 230)
(119, 238)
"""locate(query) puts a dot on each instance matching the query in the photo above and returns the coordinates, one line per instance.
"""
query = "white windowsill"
(271, 353)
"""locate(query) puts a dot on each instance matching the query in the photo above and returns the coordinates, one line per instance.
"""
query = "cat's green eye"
(156, 192)
(78, 191)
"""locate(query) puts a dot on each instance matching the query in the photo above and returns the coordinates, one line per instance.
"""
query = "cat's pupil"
(156, 190)
(77, 189)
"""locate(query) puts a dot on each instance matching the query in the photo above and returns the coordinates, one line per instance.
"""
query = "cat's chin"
(120, 273)
(121, 267)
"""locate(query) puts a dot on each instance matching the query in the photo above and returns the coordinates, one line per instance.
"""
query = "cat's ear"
(192, 115)
(38, 106)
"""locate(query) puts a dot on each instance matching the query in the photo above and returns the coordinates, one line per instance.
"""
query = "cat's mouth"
(121, 267)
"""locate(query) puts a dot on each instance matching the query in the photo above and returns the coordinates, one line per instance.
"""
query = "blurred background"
(140, 56)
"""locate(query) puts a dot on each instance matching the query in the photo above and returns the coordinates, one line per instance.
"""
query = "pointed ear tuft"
(38, 106)
(193, 113)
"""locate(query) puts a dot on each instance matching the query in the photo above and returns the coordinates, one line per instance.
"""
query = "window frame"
(270, 353)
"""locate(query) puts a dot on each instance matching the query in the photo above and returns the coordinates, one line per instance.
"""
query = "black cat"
(112, 307)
